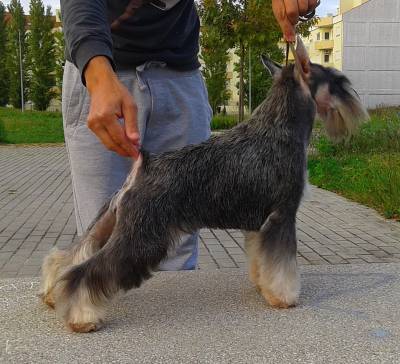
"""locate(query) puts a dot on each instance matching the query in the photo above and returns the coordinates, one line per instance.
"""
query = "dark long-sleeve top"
(132, 32)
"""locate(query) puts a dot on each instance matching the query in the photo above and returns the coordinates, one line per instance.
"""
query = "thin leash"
(287, 53)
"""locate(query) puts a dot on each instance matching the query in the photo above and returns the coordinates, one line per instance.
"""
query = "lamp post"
(249, 80)
(20, 72)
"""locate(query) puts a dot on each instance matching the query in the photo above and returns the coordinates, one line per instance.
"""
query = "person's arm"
(88, 39)
(287, 14)
(87, 32)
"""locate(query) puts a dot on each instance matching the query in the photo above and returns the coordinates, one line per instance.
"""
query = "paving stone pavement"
(36, 213)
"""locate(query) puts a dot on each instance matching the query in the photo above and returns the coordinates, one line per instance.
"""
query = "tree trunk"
(241, 84)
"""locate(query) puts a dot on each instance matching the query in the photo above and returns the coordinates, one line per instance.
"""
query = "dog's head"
(338, 104)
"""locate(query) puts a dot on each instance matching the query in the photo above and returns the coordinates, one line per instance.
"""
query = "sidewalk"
(36, 213)
(347, 314)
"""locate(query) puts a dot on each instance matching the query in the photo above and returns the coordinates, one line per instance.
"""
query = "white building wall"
(371, 51)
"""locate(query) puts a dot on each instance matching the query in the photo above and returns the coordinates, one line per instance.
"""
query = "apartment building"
(362, 40)
(371, 51)
(320, 43)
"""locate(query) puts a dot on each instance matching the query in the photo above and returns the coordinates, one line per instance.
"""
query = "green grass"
(371, 179)
(31, 127)
(28, 127)
(220, 122)
(367, 168)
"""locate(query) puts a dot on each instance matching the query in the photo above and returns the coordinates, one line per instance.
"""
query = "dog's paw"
(56, 262)
(85, 327)
(278, 302)
(77, 310)
(48, 299)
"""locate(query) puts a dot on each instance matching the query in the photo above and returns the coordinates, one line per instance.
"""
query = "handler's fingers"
(129, 113)
(312, 4)
(117, 134)
(304, 7)
(287, 27)
(110, 144)
(292, 11)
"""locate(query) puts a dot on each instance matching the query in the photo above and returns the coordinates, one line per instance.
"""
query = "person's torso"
(157, 30)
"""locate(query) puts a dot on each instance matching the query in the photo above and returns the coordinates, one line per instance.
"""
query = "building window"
(326, 57)
(326, 35)
(318, 36)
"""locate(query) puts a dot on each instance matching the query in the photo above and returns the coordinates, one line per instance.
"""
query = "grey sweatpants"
(173, 111)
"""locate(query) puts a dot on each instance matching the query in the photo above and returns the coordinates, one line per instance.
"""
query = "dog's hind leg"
(136, 247)
(85, 290)
(58, 261)
(253, 240)
(278, 275)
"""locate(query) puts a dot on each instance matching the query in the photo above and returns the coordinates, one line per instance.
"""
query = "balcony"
(326, 21)
(323, 44)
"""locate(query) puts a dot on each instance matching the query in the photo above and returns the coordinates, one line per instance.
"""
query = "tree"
(215, 55)
(3, 69)
(15, 42)
(243, 24)
(59, 56)
(41, 61)
(261, 80)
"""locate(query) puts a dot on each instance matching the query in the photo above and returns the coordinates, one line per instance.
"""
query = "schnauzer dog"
(250, 178)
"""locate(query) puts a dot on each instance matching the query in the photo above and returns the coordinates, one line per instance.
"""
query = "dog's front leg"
(274, 250)
(58, 261)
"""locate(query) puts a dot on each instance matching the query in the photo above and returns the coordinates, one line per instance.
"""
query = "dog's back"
(237, 179)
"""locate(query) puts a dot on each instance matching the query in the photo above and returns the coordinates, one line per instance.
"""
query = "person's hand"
(110, 101)
(287, 14)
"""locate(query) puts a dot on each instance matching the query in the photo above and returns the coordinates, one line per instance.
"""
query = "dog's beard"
(342, 115)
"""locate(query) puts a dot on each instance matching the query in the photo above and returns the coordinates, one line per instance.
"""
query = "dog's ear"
(303, 65)
(272, 67)
(302, 55)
